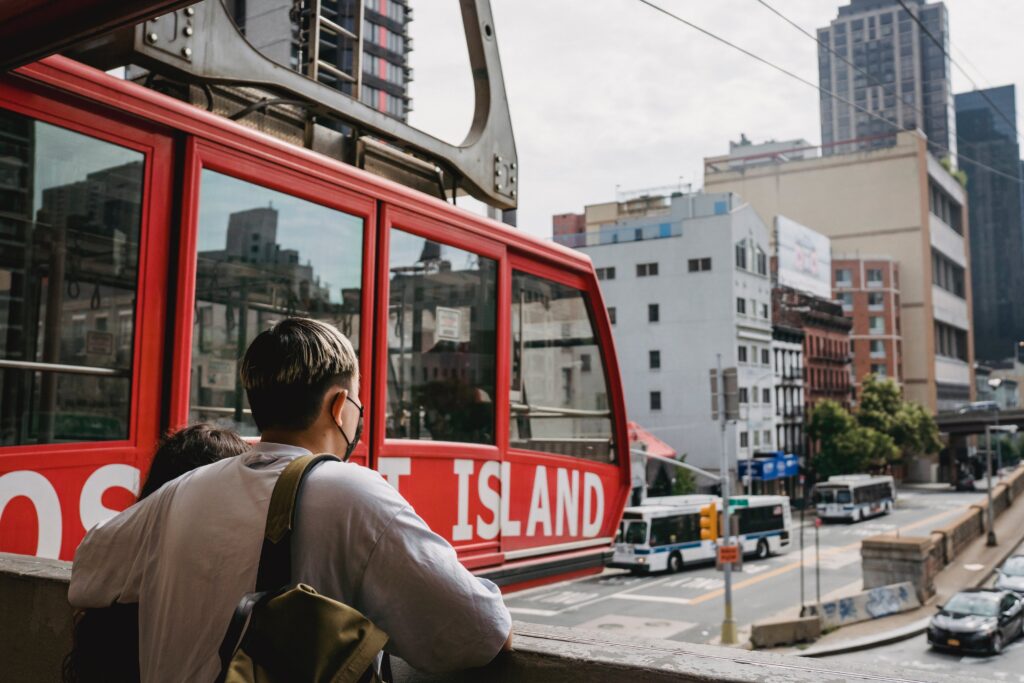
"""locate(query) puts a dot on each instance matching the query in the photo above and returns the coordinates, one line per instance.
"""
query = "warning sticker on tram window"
(99, 343)
(449, 324)
(218, 374)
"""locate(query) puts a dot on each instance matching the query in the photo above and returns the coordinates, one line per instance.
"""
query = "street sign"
(728, 554)
(739, 502)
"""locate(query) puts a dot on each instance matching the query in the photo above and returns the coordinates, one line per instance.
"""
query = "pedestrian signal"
(709, 523)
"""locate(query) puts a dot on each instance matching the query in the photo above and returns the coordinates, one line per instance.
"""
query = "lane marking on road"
(651, 598)
(534, 612)
(711, 595)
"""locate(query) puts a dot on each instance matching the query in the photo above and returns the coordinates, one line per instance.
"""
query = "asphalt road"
(916, 654)
(688, 606)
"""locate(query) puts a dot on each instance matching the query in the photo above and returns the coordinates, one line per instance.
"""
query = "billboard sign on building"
(804, 258)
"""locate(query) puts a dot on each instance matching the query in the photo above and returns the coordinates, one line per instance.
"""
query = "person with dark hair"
(188, 552)
(106, 639)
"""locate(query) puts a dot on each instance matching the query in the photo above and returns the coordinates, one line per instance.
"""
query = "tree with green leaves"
(908, 424)
(844, 445)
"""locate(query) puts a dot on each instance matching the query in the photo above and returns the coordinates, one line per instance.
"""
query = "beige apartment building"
(898, 202)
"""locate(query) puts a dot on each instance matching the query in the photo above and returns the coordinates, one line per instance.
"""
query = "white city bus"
(855, 496)
(664, 534)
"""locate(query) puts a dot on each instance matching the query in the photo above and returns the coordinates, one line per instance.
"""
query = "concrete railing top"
(36, 625)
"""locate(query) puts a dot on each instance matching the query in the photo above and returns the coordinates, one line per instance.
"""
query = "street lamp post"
(988, 486)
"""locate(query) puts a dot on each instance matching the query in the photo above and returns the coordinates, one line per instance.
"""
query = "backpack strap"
(275, 568)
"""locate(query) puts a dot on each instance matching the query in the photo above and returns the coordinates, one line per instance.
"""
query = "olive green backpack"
(288, 632)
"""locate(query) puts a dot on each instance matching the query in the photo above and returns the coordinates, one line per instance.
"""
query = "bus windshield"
(825, 495)
(636, 532)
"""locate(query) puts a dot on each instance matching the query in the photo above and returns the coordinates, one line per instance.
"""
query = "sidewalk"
(970, 569)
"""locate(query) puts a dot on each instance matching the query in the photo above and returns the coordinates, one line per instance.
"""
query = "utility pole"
(988, 486)
(728, 624)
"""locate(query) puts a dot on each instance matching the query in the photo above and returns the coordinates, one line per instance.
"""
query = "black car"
(981, 620)
(1011, 575)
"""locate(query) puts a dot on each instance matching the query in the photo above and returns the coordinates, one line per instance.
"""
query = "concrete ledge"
(35, 628)
(775, 632)
(35, 618)
(875, 603)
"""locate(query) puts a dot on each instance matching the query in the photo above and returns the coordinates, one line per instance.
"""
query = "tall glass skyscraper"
(996, 211)
(901, 75)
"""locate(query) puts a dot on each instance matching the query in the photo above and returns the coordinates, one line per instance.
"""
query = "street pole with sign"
(988, 486)
(728, 623)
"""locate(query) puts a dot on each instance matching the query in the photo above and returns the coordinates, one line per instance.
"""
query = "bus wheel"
(762, 549)
(675, 563)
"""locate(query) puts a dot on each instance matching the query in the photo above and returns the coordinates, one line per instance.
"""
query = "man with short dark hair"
(191, 550)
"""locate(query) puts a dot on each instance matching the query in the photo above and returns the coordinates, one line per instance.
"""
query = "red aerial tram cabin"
(144, 242)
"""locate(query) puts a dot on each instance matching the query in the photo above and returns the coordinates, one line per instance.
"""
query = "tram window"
(70, 212)
(263, 256)
(442, 342)
(556, 407)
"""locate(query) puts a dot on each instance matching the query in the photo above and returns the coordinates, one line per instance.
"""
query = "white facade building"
(683, 284)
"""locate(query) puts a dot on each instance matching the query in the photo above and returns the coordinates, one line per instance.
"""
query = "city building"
(897, 201)
(986, 127)
(901, 76)
(277, 29)
(826, 344)
(686, 281)
(565, 224)
(868, 288)
(788, 366)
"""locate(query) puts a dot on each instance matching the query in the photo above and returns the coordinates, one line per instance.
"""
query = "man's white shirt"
(188, 553)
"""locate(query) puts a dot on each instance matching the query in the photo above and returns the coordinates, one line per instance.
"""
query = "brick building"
(565, 224)
(826, 343)
(868, 289)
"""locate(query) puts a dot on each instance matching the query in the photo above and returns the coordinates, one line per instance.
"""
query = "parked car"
(1011, 575)
(978, 620)
(978, 407)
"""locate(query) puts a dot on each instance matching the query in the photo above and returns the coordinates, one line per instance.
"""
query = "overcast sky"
(611, 92)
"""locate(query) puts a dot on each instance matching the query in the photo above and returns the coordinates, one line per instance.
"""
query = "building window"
(698, 265)
(947, 275)
(757, 438)
(743, 439)
(767, 437)
(950, 341)
(741, 353)
(741, 255)
(878, 369)
(766, 396)
(584, 362)
(653, 315)
(654, 360)
(764, 311)
(844, 277)
(741, 306)
(646, 269)
(876, 301)
(606, 273)
(877, 347)
(876, 324)
(655, 400)
(846, 299)
(874, 277)
(766, 357)
(762, 262)
(744, 395)
(611, 314)
(945, 208)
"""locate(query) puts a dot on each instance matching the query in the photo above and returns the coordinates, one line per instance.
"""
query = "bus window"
(843, 496)
(559, 396)
(262, 256)
(70, 211)
(636, 532)
(442, 342)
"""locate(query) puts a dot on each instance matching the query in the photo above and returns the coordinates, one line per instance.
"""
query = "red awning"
(651, 443)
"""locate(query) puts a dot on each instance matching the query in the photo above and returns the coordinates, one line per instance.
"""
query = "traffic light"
(709, 522)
